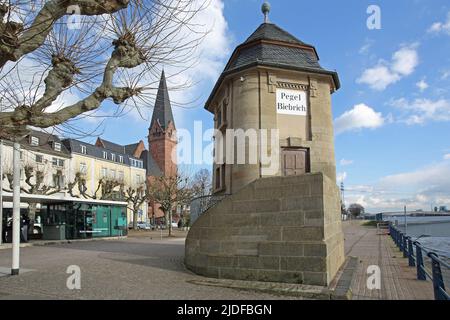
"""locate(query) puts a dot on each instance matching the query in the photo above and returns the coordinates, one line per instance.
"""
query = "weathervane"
(265, 10)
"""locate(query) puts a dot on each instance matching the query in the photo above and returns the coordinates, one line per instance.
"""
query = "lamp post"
(16, 209)
(1, 192)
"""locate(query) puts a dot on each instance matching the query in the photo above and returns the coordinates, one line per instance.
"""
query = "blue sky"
(392, 114)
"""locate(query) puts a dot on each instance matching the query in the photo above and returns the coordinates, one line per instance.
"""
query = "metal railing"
(414, 251)
(202, 204)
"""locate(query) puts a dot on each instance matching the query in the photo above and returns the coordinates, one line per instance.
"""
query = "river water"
(434, 232)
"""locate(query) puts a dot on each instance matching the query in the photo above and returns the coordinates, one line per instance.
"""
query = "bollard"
(420, 271)
(411, 261)
(438, 282)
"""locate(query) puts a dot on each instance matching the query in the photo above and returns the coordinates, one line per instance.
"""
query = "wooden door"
(294, 162)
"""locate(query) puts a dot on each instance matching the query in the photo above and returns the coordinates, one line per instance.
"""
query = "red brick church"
(161, 159)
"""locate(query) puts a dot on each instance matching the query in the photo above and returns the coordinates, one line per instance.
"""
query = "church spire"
(162, 112)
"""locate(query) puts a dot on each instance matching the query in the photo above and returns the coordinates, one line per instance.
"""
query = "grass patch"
(372, 223)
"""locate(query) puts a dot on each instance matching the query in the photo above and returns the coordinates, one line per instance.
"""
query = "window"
(83, 168)
(138, 179)
(112, 174)
(104, 173)
(222, 116)
(120, 177)
(217, 178)
(58, 162)
(34, 141)
(121, 159)
(57, 146)
(105, 155)
(136, 163)
(83, 149)
(113, 157)
(220, 178)
(58, 180)
(39, 158)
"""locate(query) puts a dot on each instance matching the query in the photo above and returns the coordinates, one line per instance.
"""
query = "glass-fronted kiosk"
(76, 220)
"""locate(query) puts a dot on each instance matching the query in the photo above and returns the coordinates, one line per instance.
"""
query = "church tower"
(162, 132)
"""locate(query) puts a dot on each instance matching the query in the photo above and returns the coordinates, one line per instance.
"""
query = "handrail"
(413, 250)
(200, 205)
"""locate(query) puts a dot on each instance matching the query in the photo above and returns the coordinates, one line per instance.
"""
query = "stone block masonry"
(277, 229)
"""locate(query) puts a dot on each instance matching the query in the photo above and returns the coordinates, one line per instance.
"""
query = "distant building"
(107, 160)
(44, 153)
(162, 140)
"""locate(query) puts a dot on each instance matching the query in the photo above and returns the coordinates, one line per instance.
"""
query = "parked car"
(144, 226)
(174, 224)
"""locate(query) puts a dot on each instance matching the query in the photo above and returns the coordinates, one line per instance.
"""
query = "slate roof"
(46, 143)
(97, 152)
(270, 45)
(162, 110)
(113, 146)
(270, 31)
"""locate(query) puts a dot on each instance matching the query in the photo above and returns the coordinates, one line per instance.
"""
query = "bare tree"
(136, 197)
(169, 191)
(35, 184)
(202, 183)
(94, 50)
(356, 210)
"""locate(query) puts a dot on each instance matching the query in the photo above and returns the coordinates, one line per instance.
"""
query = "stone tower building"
(280, 219)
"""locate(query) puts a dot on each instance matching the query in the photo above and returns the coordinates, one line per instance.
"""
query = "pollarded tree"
(135, 197)
(35, 183)
(167, 192)
(61, 59)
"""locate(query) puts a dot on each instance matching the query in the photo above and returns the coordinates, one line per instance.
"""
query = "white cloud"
(359, 117)
(345, 162)
(422, 85)
(441, 27)
(420, 111)
(417, 189)
(403, 63)
(447, 156)
(366, 46)
(405, 60)
(445, 74)
(378, 78)
(341, 176)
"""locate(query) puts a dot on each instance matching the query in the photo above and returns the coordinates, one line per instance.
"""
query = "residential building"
(106, 161)
(41, 153)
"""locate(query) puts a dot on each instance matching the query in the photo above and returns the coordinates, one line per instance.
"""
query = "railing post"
(404, 247)
(411, 261)
(438, 282)
(420, 272)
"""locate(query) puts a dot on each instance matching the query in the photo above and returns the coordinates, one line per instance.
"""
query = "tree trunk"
(170, 223)
(135, 217)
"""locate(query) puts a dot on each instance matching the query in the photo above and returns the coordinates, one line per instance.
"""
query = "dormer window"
(113, 157)
(57, 146)
(83, 149)
(34, 141)
(105, 155)
(121, 159)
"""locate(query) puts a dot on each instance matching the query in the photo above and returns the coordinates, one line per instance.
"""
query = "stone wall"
(281, 229)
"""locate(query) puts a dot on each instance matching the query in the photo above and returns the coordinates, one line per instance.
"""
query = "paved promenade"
(398, 280)
(144, 266)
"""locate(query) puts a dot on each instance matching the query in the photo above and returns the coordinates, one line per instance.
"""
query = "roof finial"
(265, 10)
